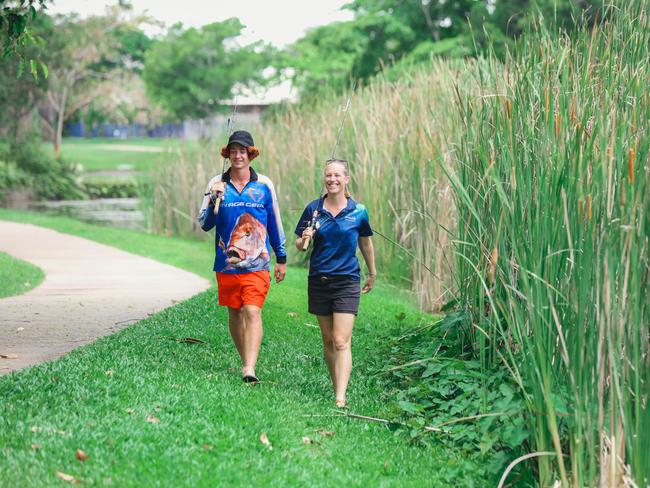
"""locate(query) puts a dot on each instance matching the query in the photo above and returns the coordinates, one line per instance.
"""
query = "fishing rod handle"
(305, 243)
(217, 202)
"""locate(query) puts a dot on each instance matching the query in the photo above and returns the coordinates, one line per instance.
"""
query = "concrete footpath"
(90, 290)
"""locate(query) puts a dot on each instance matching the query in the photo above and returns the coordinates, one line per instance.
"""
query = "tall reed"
(552, 192)
(392, 135)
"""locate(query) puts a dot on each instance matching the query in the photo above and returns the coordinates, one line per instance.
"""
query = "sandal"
(251, 379)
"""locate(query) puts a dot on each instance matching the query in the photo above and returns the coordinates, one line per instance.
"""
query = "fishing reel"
(214, 197)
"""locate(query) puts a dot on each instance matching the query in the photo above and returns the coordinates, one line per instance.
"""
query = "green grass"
(98, 397)
(93, 157)
(17, 277)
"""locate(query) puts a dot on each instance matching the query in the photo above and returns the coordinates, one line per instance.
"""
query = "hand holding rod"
(312, 224)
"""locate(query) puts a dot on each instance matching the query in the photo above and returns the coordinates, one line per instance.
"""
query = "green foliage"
(111, 187)
(435, 385)
(190, 72)
(384, 32)
(25, 165)
(16, 276)
(325, 57)
(20, 94)
(132, 46)
(16, 34)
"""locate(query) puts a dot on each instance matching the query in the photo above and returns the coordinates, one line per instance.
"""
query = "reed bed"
(552, 191)
(394, 135)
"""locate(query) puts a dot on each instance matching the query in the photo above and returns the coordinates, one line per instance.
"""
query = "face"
(238, 156)
(335, 178)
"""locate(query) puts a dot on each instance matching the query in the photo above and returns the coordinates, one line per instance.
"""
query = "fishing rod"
(312, 222)
(217, 197)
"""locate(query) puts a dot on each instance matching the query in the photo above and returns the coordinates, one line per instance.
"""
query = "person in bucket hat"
(247, 227)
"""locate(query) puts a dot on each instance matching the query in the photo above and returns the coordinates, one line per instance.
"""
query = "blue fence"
(121, 131)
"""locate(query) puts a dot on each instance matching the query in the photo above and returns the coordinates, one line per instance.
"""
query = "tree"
(16, 35)
(76, 48)
(19, 94)
(190, 72)
(386, 31)
(325, 57)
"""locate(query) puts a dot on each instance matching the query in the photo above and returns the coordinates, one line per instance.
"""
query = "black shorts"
(329, 294)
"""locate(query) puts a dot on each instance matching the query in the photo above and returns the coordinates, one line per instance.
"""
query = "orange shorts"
(237, 290)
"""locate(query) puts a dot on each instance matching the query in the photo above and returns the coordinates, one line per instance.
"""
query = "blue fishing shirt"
(247, 225)
(336, 239)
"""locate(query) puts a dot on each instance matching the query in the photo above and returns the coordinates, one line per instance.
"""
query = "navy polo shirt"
(336, 239)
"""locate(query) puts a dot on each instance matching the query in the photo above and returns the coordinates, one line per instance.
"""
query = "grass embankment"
(17, 277)
(148, 409)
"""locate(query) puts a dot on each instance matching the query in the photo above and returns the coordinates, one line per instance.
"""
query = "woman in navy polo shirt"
(334, 275)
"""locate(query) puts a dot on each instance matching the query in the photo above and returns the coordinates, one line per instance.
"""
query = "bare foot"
(341, 403)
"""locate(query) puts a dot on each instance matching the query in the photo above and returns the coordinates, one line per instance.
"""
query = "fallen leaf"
(35, 429)
(20, 329)
(153, 419)
(81, 456)
(67, 477)
(207, 447)
(35, 446)
(326, 433)
(9, 356)
(293, 315)
(109, 372)
(307, 440)
(265, 440)
(130, 410)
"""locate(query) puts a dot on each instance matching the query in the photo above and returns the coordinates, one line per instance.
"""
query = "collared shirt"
(336, 238)
(247, 225)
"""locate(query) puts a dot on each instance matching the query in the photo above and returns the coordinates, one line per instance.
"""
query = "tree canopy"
(385, 31)
(17, 35)
(191, 71)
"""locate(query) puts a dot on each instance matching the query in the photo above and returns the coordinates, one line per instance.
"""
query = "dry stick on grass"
(384, 421)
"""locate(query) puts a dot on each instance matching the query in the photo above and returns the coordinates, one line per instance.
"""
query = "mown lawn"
(149, 410)
(96, 154)
(17, 277)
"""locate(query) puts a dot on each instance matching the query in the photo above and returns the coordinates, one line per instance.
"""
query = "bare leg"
(326, 330)
(336, 330)
(342, 334)
(236, 326)
(245, 325)
(252, 338)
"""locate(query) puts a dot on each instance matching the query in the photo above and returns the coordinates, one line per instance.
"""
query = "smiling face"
(238, 156)
(336, 178)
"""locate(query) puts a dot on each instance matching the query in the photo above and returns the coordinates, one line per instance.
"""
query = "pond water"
(114, 212)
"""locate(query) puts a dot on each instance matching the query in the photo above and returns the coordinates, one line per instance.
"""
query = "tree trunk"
(58, 133)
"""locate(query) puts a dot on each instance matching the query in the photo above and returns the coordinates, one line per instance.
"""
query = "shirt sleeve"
(305, 218)
(207, 219)
(274, 226)
(364, 225)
